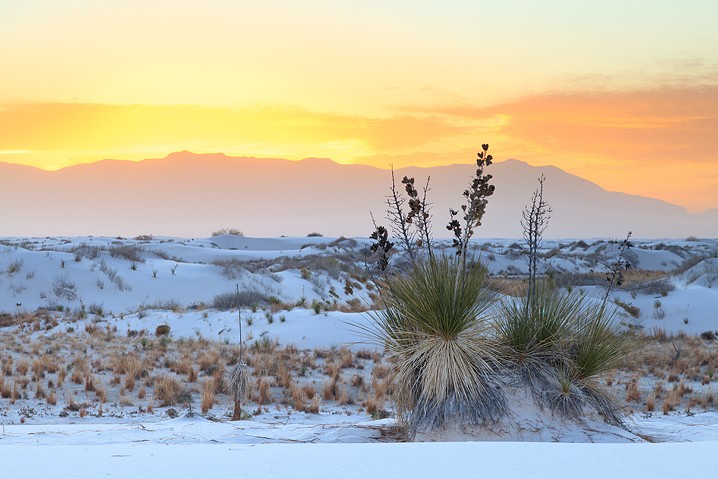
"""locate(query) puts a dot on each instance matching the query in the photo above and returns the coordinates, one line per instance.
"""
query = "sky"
(622, 93)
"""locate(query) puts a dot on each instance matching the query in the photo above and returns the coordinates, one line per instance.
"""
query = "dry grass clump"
(330, 390)
(209, 388)
(264, 390)
(209, 361)
(309, 391)
(168, 390)
(5, 388)
(22, 367)
(298, 397)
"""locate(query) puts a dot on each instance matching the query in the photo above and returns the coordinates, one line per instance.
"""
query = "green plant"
(435, 326)
(559, 345)
(316, 306)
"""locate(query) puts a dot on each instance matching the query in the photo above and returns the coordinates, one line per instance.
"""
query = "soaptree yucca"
(435, 326)
(559, 343)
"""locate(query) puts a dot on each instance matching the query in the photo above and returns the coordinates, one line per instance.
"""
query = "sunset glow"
(622, 93)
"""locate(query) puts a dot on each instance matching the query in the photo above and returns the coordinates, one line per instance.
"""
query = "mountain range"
(191, 195)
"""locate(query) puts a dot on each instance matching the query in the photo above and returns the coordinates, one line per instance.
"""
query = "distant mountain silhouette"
(189, 194)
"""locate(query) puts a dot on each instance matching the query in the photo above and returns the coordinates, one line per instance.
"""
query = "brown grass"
(330, 390)
(22, 367)
(651, 401)
(264, 389)
(167, 390)
(208, 390)
(5, 389)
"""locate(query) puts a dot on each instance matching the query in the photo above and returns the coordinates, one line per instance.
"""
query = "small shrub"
(14, 267)
(227, 231)
(634, 311)
(64, 288)
(129, 252)
(234, 299)
(168, 390)
(559, 345)
(708, 335)
(162, 330)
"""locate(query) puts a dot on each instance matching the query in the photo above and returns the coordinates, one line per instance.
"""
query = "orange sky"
(612, 91)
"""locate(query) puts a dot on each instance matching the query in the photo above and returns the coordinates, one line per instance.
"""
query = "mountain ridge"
(189, 194)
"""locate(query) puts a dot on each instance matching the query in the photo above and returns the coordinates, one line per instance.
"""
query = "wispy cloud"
(660, 142)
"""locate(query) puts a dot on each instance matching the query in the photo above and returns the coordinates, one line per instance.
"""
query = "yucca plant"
(559, 343)
(435, 326)
(536, 331)
(599, 346)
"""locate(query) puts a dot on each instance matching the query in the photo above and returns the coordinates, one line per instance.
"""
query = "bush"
(129, 252)
(227, 231)
(162, 330)
(239, 299)
(435, 326)
(559, 344)
(168, 390)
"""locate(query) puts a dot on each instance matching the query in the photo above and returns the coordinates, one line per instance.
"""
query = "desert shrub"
(14, 267)
(435, 327)
(659, 286)
(85, 250)
(708, 335)
(566, 279)
(168, 390)
(162, 330)
(64, 288)
(238, 299)
(690, 262)
(559, 344)
(634, 311)
(227, 231)
(232, 268)
(129, 252)
(161, 304)
(116, 279)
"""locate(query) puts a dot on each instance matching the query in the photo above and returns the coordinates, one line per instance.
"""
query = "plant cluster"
(453, 351)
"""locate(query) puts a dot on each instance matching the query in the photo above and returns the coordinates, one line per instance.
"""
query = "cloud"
(658, 142)
(645, 127)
